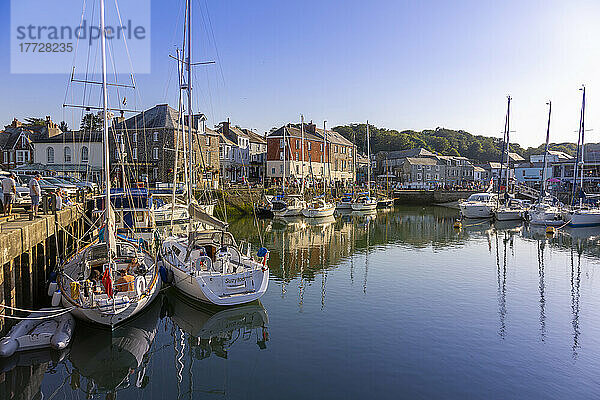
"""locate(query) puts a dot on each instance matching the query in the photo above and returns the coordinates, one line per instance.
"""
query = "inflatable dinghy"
(37, 332)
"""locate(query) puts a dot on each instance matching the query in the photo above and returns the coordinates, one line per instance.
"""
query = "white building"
(77, 154)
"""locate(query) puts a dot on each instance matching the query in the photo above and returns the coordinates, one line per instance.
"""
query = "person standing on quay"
(9, 190)
(35, 191)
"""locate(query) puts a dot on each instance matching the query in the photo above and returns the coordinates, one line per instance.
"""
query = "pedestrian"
(35, 192)
(58, 202)
(9, 190)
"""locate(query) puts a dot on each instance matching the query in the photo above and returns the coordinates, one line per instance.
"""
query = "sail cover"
(197, 213)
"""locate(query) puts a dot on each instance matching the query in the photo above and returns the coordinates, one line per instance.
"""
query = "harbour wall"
(429, 197)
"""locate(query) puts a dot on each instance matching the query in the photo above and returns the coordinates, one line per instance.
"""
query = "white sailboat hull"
(584, 218)
(238, 280)
(364, 206)
(509, 215)
(290, 211)
(319, 212)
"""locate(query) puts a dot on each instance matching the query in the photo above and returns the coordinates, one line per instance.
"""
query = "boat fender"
(140, 285)
(64, 332)
(163, 273)
(56, 298)
(52, 288)
(264, 253)
(75, 290)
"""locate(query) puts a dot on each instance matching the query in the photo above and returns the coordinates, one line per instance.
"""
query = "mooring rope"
(65, 311)
(34, 311)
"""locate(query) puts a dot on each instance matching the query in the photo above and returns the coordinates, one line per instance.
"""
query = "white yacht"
(583, 217)
(345, 202)
(364, 203)
(209, 266)
(100, 302)
(318, 208)
(513, 210)
(288, 206)
(546, 212)
(479, 205)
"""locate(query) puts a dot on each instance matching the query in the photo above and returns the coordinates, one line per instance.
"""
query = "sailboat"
(512, 209)
(365, 202)
(582, 215)
(208, 265)
(319, 207)
(106, 303)
(386, 202)
(288, 205)
(547, 210)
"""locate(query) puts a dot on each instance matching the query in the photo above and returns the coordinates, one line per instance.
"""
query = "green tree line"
(441, 141)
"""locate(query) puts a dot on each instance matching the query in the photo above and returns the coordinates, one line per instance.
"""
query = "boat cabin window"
(176, 250)
(479, 197)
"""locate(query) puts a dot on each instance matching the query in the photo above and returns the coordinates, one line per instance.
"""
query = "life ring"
(140, 285)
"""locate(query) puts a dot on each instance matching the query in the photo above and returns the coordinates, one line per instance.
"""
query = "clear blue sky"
(400, 64)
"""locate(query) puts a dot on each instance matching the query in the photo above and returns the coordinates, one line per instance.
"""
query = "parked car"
(44, 185)
(61, 184)
(22, 196)
(87, 186)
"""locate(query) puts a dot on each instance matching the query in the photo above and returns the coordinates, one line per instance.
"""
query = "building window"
(308, 146)
(297, 144)
(281, 143)
(321, 146)
(5, 159)
(208, 140)
(419, 177)
(85, 154)
(49, 155)
(20, 157)
(67, 154)
(155, 173)
(134, 137)
(134, 153)
(297, 157)
(437, 177)
(281, 155)
(297, 169)
(437, 167)
(429, 168)
(418, 167)
(155, 153)
(155, 136)
(273, 170)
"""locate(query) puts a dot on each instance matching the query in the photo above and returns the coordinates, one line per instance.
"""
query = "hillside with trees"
(441, 141)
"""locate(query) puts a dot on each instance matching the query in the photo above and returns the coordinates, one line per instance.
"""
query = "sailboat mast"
(507, 144)
(302, 148)
(355, 148)
(179, 71)
(503, 151)
(368, 162)
(107, 219)
(189, 95)
(284, 155)
(544, 184)
(582, 136)
(328, 148)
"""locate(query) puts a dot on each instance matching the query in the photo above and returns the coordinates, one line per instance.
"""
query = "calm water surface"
(399, 305)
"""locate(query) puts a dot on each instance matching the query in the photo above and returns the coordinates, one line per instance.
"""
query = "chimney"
(52, 127)
(310, 127)
(16, 123)
(225, 127)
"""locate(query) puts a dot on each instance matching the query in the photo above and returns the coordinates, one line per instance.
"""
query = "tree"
(91, 122)
(63, 126)
(34, 121)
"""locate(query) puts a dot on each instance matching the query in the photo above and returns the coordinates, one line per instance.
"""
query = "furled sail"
(198, 214)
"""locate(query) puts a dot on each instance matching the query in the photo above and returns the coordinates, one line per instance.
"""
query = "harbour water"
(393, 305)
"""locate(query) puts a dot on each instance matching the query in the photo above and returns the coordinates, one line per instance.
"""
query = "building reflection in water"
(541, 246)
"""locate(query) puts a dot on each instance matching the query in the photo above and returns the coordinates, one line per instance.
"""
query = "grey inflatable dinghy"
(38, 332)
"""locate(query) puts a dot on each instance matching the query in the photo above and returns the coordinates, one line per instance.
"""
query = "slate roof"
(421, 161)
(159, 116)
(397, 154)
(255, 137)
(71, 136)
